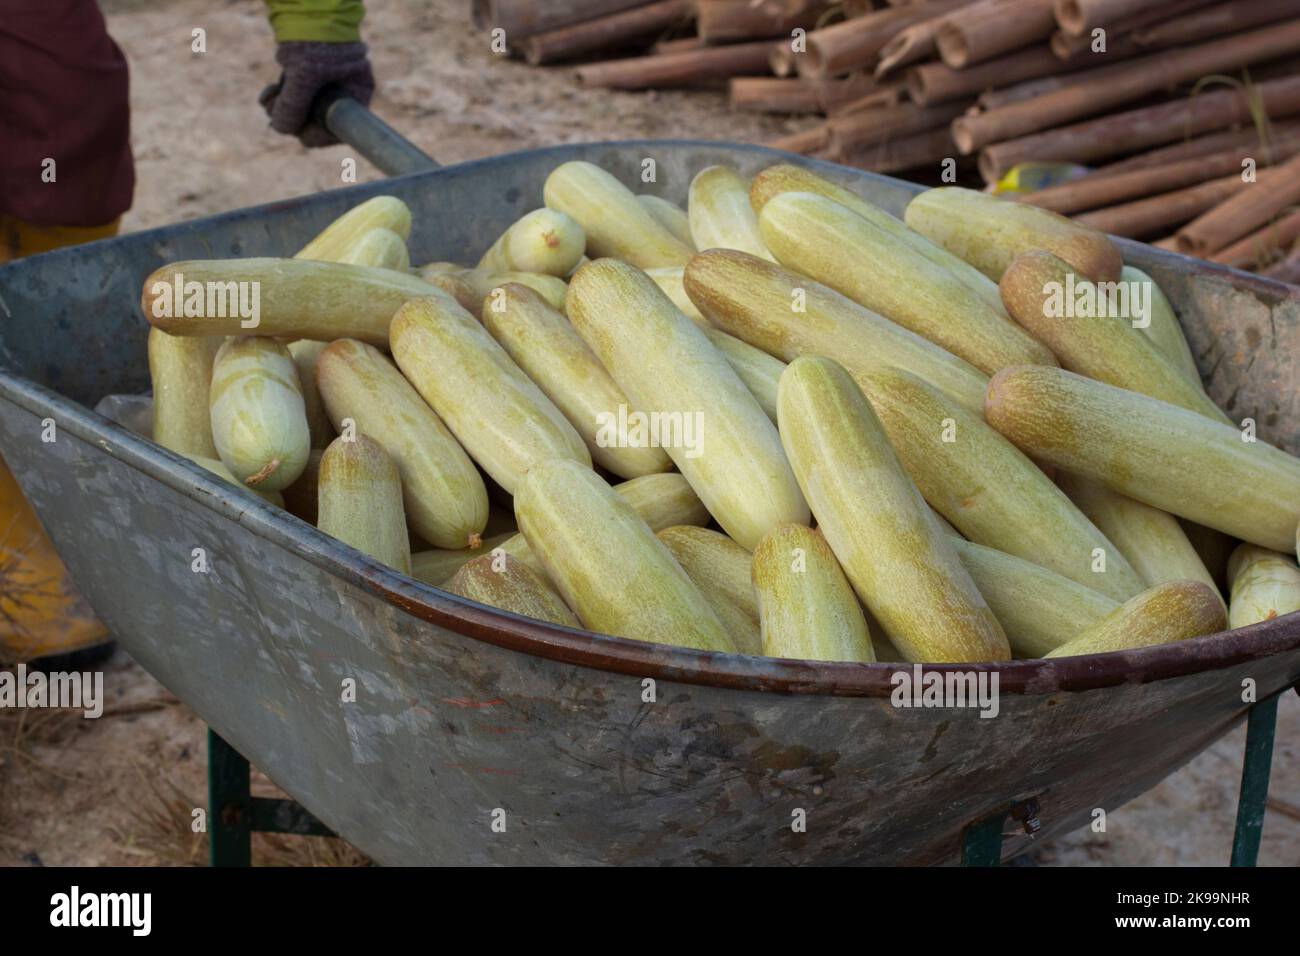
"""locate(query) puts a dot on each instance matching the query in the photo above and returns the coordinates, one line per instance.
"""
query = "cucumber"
(544, 241)
(900, 563)
(1160, 454)
(835, 246)
(667, 367)
(669, 280)
(360, 500)
(381, 212)
(437, 565)
(305, 354)
(671, 216)
(381, 248)
(495, 411)
(215, 466)
(259, 422)
(445, 499)
(720, 214)
(989, 232)
(180, 368)
(757, 302)
(1164, 330)
(500, 581)
(1265, 585)
(1173, 611)
(607, 563)
(807, 607)
(760, 372)
(720, 568)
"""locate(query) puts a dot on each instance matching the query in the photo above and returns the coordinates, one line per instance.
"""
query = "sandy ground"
(120, 790)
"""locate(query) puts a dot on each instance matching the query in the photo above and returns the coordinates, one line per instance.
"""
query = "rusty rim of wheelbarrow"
(623, 655)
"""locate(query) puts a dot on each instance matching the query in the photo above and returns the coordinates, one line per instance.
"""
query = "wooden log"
(1142, 76)
(730, 21)
(985, 29)
(932, 83)
(1085, 194)
(994, 99)
(852, 133)
(910, 45)
(1263, 245)
(1157, 214)
(688, 68)
(1246, 211)
(885, 95)
(1149, 126)
(907, 152)
(1218, 20)
(676, 45)
(522, 18)
(853, 44)
(836, 94)
(1066, 45)
(1078, 17)
(1248, 138)
(603, 33)
(770, 94)
(806, 142)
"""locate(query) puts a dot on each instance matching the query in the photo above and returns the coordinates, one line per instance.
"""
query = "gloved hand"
(309, 67)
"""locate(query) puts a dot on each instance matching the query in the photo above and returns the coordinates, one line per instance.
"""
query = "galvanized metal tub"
(464, 715)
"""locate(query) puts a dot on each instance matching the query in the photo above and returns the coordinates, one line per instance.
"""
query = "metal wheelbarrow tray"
(462, 712)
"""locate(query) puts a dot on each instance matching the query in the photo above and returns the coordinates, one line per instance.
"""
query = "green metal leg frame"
(234, 813)
(982, 842)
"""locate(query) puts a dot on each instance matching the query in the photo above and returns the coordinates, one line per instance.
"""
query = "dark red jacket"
(63, 96)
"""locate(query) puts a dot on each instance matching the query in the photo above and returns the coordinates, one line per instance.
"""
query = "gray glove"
(309, 68)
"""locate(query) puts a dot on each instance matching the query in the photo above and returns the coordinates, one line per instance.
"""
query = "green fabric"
(322, 21)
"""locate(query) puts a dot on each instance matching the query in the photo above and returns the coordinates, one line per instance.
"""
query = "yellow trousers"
(40, 611)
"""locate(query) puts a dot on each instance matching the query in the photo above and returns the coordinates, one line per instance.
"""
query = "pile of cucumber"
(779, 422)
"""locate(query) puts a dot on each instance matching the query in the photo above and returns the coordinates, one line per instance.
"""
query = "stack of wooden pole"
(1163, 103)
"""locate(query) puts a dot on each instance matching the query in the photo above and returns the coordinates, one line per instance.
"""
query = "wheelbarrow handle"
(370, 136)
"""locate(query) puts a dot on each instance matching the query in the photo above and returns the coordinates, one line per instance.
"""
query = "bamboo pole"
(1084, 194)
(1218, 20)
(676, 45)
(1259, 247)
(995, 99)
(770, 94)
(910, 45)
(1149, 126)
(1142, 76)
(982, 30)
(729, 21)
(688, 68)
(806, 142)
(1077, 17)
(522, 18)
(836, 94)
(853, 44)
(907, 152)
(1156, 213)
(1248, 138)
(886, 94)
(1246, 211)
(603, 33)
(852, 133)
(1064, 45)
(932, 83)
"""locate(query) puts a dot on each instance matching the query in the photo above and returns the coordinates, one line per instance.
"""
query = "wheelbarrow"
(425, 728)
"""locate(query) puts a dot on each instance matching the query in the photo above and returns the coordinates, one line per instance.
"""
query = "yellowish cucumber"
(445, 499)
(717, 433)
(835, 246)
(500, 581)
(788, 315)
(259, 423)
(760, 372)
(180, 368)
(305, 354)
(720, 568)
(670, 215)
(436, 565)
(900, 563)
(807, 607)
(553, 355)
(1168, 457)
(989, 490)
(720, 214)
(1173, 611)
(1165, 332)
(607, 563)
(615, 221)
(669, 280)
(360, 500)
(545, 241)
(498, 414)
(381, 248)
(1265, 585)
(381, 212)
(294, 298)
(786, 178)
(1106, 347)
(989, 232)
(215, 466)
